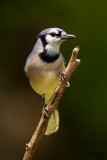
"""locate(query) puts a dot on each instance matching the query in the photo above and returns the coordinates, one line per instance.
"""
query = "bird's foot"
(68, 84)
(63, 78)
(45, 112)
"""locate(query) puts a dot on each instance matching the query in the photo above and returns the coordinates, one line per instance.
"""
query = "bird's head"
(54, 37)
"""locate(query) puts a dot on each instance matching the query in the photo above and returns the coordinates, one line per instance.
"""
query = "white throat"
(52, 48)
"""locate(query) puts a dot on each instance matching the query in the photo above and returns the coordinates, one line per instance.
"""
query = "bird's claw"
(45, 112)
(68, 84)
(63, 76)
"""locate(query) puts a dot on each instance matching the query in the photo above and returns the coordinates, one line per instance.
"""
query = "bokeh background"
(83, 107)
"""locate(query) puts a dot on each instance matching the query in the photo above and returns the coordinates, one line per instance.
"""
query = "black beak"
(68, 36)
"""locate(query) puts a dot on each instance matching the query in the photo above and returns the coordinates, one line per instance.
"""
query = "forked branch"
(54, 100)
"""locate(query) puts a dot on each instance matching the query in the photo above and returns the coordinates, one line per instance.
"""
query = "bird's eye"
(53, 34)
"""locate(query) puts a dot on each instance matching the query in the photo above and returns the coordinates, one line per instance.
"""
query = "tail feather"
(53, 123)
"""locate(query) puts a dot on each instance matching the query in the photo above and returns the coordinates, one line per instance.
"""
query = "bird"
(44, 66)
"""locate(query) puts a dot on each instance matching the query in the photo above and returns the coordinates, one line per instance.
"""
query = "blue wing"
(63, 59)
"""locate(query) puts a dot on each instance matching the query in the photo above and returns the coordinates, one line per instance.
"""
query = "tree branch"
(54, 100)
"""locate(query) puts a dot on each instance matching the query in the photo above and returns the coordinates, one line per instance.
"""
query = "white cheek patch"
(49, 38)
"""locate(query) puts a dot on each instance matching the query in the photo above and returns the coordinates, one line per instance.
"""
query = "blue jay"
(44, 66)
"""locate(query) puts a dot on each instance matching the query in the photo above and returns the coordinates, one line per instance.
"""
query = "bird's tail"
(53, 123)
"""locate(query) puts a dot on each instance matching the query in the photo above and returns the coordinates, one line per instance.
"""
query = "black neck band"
(49, 58)
(43, 40)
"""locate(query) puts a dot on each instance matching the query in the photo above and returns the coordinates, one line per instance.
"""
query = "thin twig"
(54, 100)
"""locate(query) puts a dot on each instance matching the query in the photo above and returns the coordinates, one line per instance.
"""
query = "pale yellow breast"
(46, 84)
(44, 76)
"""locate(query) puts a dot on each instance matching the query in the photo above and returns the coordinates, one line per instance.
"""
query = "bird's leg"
(63, 78)
(45, 111)
(43, 99)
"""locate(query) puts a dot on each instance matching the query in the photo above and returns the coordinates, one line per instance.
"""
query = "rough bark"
(54, 100)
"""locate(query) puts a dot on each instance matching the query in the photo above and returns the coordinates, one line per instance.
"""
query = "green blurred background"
(83, 107)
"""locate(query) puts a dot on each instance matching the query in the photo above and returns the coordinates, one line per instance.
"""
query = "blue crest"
(43, 32)
(47, 30)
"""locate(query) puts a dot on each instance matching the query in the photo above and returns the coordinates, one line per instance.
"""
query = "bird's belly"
(45, 83)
